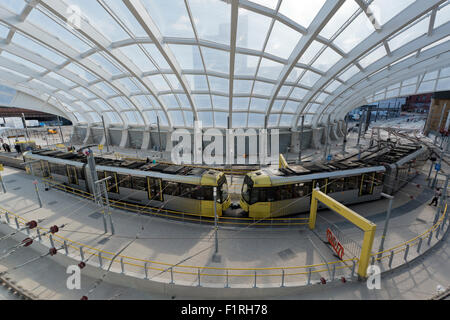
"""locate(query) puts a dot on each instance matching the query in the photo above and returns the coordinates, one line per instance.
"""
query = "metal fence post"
(122, 265)
(7, 217)
(66, 249)
(171, 275)
(81, 254)
(254, 286)
(51, 241)
(309, 276)
(199, 284)
(145, 270)
(39, 234)
(227, 285)
(429, 238)
(391, 258)
(333, 272)
(282, 278)
(419, 245)
(405, 257)
(17, 222)
(353, 268)
(100, 260)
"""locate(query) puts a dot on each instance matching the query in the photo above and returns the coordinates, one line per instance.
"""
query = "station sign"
(334, 242)
(437, 166)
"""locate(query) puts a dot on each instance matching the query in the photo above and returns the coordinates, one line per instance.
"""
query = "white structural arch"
(239, 63)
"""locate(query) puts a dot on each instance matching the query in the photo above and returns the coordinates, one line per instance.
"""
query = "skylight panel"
(104, 63)
(372, 57)
(299, 93)
(159, 82)
(442, 16)
(242, 86)
(206, 118)
(245, 65)
(60, 78)
(4, 31)
(216, 60)
(202, 101)
(327, 59)
(355, 33)
(273, 120)
(173, 80)
(252, 30)
(239, 120)
(350, 72)
(270, 69)
(52, 27)
(240, 103)
(221, 119)
(197, 82)
(385, 10)
(23, 62)
(345, 12)
(37, 48)
(177, 118)
(282, 40)
(258, 104)
(99, 18)
(138, 57)
(170, 101)
(125, 16)
(311, 52)
(286, 120)
(171, 17)
(212, 20)
(219, 84)
(301, 11)
(187, 56)
(309, 79)
(263, 88)
(106, 88)
(255, 120)
(291, 107)
(220, 102)
(409, 34)
(156, 55)
(81, 72)
(272, 4)
(15, 6)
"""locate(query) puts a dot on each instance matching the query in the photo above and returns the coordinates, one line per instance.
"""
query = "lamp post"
(386, 222)
(216, 257)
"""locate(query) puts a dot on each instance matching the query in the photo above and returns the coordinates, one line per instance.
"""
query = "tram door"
(72, 174)
(367, 183)
(112, 184)
(154, 189)
(45, 169)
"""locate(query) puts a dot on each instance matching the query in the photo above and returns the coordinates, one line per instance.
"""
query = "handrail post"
(333, 272)
(122, 266)
(419, 245)
(282, 278)
(309, 276)
(227, 285)
(81, 254)
(405, 257)
(17, 223)
(145, 270)
(254, 285)
(438, 230)
(39, 234)
(100, 260)
(391, 258)
(353, 268)
(51, 241)
(66, 249)
(429, 238)
(171, 275)
(198, 272)
(7, 217)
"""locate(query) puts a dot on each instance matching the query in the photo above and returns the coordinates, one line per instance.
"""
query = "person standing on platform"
(436, 197)
(17, 147)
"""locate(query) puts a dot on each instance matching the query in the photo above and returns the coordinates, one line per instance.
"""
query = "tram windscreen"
(223, 189)
(246, 189)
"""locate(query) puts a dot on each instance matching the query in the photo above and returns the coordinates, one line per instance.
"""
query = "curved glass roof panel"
(265, 62)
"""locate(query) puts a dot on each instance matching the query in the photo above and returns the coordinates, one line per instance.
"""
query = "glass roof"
(264, 62)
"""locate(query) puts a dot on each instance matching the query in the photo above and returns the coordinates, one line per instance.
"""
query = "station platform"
(186, 248)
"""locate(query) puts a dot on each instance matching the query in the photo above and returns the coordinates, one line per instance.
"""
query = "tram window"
(80, 174)
(223, 192)
(336, 185)
(171, 188)
(254, 195)
(155, 190)
(246, 188)
(204, 193)
(286, 192)
(124, 181)
(58, 169)
(351, 183)
(100, 175)
(366, 181)
(379, 177)
(271, 195)
(187, 191)
(45, 169)
(112, 183)
(139, 183)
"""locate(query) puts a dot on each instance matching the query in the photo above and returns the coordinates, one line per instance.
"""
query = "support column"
(124, 140)
(333, 132)
(146, 140)
(317, 134)
(88, 137)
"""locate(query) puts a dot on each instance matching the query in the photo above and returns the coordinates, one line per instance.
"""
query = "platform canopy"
(264, 62)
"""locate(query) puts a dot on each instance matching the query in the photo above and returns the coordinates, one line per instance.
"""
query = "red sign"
(334, 242)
